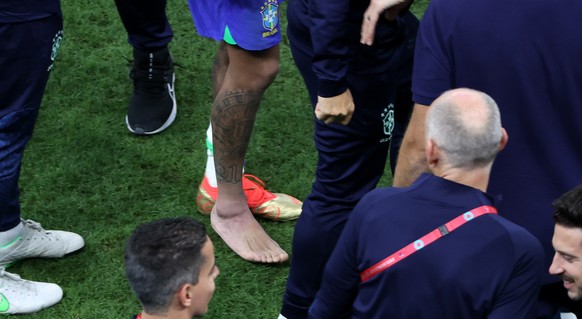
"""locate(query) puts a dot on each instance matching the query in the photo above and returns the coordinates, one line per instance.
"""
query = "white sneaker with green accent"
(35, 242)
(18, 296)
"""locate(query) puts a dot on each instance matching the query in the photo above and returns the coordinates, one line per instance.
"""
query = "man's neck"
(474, 177)
(169, 315)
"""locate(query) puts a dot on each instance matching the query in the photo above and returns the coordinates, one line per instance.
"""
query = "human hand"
(335, 109)
(390, 9)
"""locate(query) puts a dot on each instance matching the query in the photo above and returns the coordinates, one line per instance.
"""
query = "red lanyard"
(425, 240)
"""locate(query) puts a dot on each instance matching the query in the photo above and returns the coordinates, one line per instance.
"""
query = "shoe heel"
(203, 204)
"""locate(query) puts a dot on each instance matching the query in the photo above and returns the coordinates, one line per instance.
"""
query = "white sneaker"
(37, 242)
(24, 296)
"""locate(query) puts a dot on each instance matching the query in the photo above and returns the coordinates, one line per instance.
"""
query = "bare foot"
(243, 234)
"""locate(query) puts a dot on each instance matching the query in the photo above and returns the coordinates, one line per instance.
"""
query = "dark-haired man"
(567, 242)
(171, 268)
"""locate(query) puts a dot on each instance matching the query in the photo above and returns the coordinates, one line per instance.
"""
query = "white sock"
(210, 172)
(281, 317)
(9, 236)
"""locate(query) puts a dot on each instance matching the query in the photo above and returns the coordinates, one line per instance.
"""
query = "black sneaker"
(152, 107)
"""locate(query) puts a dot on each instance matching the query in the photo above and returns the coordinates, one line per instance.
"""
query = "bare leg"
(219, 69)
(247, 76)
(218, 73)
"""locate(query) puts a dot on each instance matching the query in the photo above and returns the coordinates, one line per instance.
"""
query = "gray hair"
(469, 135)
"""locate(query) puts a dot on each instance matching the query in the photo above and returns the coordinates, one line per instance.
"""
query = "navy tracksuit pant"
(27, 52)
(146, 23)
(351, 160)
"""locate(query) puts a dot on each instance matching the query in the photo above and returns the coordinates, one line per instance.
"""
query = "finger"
(329, 120)
(369, 25)
(326, 118)
(319, 115)
(346, 120)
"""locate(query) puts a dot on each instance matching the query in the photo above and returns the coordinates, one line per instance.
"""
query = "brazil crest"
(270, 13)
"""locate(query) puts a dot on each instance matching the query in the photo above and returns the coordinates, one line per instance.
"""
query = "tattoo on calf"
(233, 118)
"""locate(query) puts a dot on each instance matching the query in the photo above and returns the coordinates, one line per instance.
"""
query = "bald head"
(465, 124)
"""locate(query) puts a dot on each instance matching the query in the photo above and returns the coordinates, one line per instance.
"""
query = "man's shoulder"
(395, 198)
(381, 203)
(383, 194)
(523, 242)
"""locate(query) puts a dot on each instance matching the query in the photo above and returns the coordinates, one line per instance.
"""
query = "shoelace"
(11, 276)
(24, 286)
(256, 186)
(151, 79)
(156, 85)
(31, 224)
(158, 74)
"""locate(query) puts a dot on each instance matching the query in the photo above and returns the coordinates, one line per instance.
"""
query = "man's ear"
(185, 295)
(504, 139)
(432, 153)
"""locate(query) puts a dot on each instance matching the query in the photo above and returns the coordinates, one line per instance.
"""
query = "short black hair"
(161, 256)
(568, 208)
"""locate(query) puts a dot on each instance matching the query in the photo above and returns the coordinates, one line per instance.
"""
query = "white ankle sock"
(9, 236)
(210, 172)
(281, 317)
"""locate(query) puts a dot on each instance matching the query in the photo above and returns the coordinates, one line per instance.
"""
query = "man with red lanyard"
(437, 249)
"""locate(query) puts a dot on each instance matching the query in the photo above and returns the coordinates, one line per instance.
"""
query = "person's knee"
(271, 69)
(253, 70)
(256, 76)
(265, 73)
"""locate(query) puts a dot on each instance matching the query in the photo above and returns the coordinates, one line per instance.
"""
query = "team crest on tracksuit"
(270, 13)
(387, 122)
